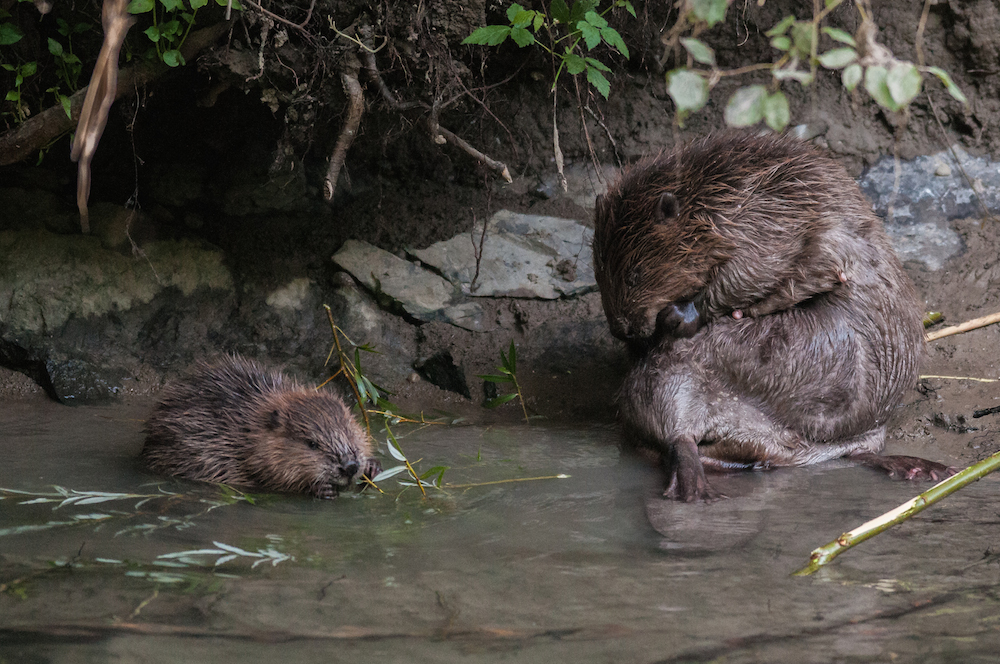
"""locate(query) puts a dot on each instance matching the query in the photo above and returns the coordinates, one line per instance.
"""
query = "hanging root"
(101, 95)
(355, 109)
(439, 134)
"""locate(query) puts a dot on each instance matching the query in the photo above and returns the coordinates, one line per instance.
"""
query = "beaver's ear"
(667, 208)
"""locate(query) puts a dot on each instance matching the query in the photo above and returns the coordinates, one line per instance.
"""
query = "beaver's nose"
(351, 468)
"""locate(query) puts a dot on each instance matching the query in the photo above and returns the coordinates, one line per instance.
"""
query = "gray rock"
(932, 190)
(421, 293)
(524, 256)
(80, 319)
(47, 279)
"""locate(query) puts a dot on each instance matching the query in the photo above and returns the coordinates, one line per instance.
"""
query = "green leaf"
(838, 58)
(236, 4)
(746, 106)
(488, 35)
(493, 378)
(782, 43)
(172, 5)
(522, 37)
(803, 77)
(699, 50)
(903, 81)
(559, 11)
(153, 32)
(598, 80)
(851, 76)
(595, 20)
(802, 38)
(949, 84)
(688, 90)
(597, 64)
(591, 35)
(574, 63)
(500, 400)
(29, 68)
(876, 86)
(436, 470)
(67, 105)
(55, 48)
(539, 21)
(511, 357)
(614, 40)
(170, 29)
(198, 4)
(710, 11)
(13, 95)
(580, 9)
(513, 11)
(522, 19)
(395, 450)
(141, 6)
(628, 7)
(9, 34)
(839, 35)
(775, 109)
(781, 27)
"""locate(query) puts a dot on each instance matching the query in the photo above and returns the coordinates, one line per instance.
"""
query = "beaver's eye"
(313, 445)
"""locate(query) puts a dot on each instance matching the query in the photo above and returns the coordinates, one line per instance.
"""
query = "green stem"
(828, 552)
(194, 15)
(520, 398)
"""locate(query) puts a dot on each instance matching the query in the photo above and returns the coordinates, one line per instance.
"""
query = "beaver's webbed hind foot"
(905, 467)
(687, 482)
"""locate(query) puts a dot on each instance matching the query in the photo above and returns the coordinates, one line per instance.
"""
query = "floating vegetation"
(62, 497)
(225, 553)
(430, 479)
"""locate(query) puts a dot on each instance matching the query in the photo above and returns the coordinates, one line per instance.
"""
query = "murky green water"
(592, 568)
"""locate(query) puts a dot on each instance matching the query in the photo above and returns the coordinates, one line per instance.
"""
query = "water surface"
(594, 567)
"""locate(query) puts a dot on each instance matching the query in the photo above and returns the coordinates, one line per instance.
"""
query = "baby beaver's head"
(307, 442)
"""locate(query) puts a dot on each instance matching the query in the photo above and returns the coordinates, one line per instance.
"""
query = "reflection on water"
(595, 567)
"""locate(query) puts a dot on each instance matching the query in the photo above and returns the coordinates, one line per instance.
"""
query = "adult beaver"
(235, 422)
(769, 321)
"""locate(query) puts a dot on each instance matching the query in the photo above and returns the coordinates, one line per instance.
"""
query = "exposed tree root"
(101, 93)
(355, 109)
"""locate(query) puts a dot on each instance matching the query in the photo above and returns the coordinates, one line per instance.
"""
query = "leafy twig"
(508, 374)
(828, 552)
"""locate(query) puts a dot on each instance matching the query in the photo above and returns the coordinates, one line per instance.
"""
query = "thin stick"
(561, 476)
(828, 552)
(979, 380)
(973, 324)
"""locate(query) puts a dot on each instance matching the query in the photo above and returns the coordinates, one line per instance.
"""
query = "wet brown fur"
(237, 423)
(763, 223)
(770, 228)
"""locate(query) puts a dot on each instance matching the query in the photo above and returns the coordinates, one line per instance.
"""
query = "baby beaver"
(235, 422)
(769, 321)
